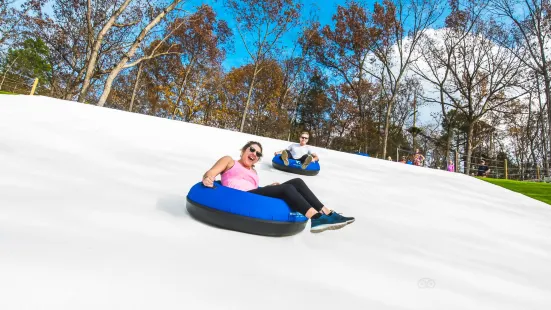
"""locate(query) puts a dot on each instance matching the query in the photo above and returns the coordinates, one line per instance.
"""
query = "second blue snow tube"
(295, 166)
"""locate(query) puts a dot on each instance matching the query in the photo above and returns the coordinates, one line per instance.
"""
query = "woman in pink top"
(240, 174)
(418, 158)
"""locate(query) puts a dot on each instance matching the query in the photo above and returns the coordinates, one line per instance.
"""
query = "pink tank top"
(240, 178)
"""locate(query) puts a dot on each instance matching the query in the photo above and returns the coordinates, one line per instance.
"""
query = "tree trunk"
(183, 85)
(529, 131)
(548, 99)
(109, 82)
(387, 124)
(3, 78)
(363, 125)
(52, 87)
(547, 85)
(469, 148)
(546, 158)
(456, 159)
(379, 126)
(414, 120)
(544, 142)
(91, 64)
(255, 72)
(135, 87)
(448, 145)
(424, 163)
(290, 129)
(6, 71)
(131, 51)
(292, 122)
(189, 114)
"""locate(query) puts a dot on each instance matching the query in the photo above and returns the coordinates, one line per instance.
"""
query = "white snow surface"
(93, 216)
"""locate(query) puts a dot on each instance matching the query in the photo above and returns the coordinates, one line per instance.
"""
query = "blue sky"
(325, 11)
(239, 57)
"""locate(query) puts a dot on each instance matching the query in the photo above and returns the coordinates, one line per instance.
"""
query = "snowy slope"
(92, 216)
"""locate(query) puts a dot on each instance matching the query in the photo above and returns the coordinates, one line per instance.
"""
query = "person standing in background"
(418, 158)
(451, 166)
(483, 169)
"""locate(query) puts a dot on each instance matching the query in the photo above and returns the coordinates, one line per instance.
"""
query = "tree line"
(355, 82)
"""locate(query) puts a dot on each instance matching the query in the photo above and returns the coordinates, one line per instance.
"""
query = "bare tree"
(346, 50)
(124, 63)
(84, 38)
(403, 23)
(260, 25)
(483, 76)
(8, 19)
(94, 42)
(203, 39)
(12, 17)
(435, 56)
(531, 21)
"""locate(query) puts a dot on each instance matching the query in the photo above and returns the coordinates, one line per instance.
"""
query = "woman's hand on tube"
(208, 181)
(221, 165)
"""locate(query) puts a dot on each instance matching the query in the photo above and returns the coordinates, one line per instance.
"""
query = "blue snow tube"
(362, 154)
(243, 211)
(295, 166)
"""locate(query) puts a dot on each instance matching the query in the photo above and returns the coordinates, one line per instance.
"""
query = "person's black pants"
(302, 159)
(294, 192)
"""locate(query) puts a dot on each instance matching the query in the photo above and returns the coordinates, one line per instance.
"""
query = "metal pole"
(397, 154)
(506, 171)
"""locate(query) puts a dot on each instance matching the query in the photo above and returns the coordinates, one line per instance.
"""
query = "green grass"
(5, 93)
(538, 191)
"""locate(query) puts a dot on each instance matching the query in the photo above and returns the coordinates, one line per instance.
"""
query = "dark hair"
(246, 146)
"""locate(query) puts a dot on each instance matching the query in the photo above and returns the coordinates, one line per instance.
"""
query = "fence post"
(34, 86)
(538, 172)
(506, 171)
(397, 155)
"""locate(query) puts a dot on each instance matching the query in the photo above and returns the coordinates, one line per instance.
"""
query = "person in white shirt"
(299, 151)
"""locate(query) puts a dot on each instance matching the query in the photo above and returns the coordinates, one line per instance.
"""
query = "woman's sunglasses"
(253, 150)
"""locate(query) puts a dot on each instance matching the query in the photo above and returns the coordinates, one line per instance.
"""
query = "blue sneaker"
(349, 220)
(325, 222)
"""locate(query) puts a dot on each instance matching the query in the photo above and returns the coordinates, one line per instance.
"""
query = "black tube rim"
(295, 170)
(242, 223)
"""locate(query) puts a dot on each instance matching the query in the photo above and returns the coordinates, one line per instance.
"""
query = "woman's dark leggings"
(294, 192)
